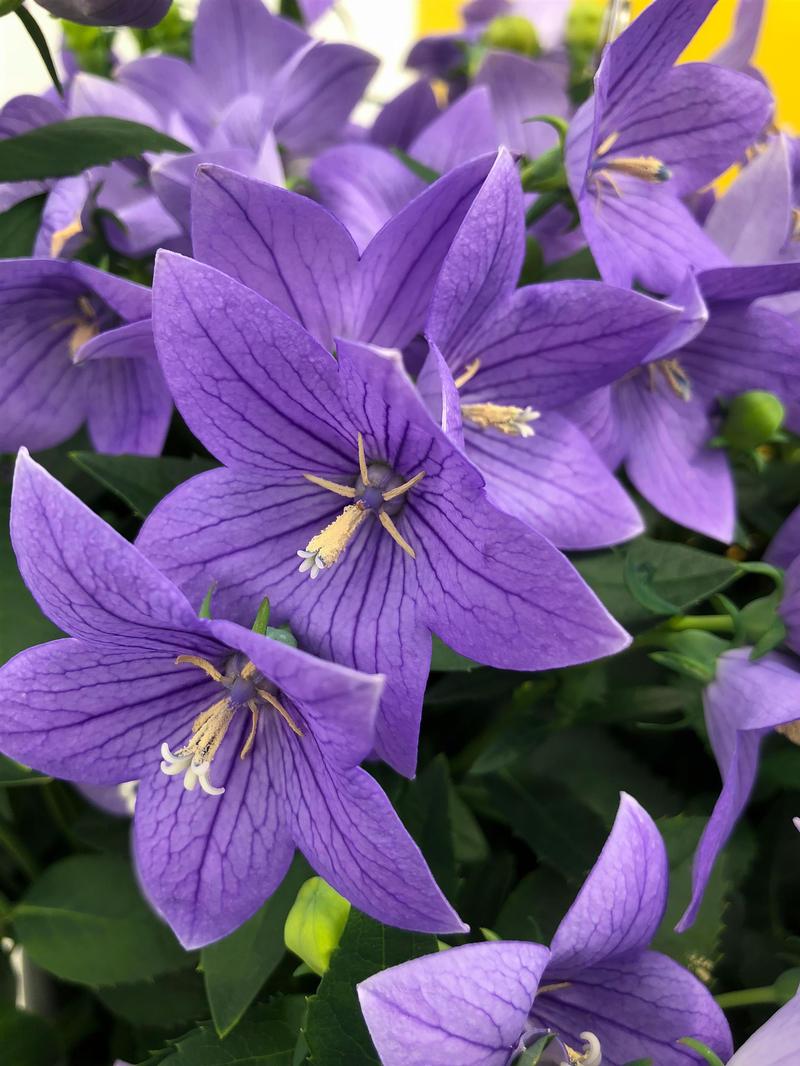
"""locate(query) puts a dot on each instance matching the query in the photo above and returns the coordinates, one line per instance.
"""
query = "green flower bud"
(315, 924)
(584, 26)
(512, 33)
(753, 418)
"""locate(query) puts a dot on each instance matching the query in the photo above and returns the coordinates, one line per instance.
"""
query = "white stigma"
(592, 1053)
(184, 762)
(311, 561)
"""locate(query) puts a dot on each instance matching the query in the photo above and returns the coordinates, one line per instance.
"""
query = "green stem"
(747, 997)
(711, 623)
(18, 851)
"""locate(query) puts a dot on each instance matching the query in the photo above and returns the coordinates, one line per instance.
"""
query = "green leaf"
(30, 626)
(447, 661)
(140, 483)
(426, 174)
(168, 1002)
(236, 968)
(13, 774)
(42, 47)
(85, 920)
(62, 149)
(27, 1039)
(266, 1037)
(19, 226)
(335, 1029)
(649, 578)
(425, 810)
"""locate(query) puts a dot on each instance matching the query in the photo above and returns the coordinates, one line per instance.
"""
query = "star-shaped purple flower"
(660, 420)
(652, 134)
(604, 995)
(266, 738)
(518, 354)
(338, 461)
(78, 348)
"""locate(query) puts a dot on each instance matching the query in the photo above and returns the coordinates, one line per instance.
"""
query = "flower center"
(378, 491)
(644, 167)
(246, 688)
(557, 1052)
(675, 376)
(508, 419)
(85, 323)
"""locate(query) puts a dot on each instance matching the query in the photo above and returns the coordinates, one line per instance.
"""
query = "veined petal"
(555, 482)
(278, 243)
(521, 88)
(94, 714)
(776, 1042)
(207, 863)
(638, 1007)
(129, 405)
(343, 823)
(467, 1005)
(622, 901)
(464, 130)
(169, 85)
(405, 116)
(252, 384)
(87, 578)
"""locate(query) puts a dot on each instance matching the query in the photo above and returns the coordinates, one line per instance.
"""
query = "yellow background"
(776, 54)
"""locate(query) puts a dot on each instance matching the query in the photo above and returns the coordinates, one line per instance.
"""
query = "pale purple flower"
(737, 52)
(745, 702)
(776, 1042)
(652, 134)
(514, 356)
(660, 421)
(246, 747)
(337, 460)
(142, 13)
(598, 988)
(78, 348)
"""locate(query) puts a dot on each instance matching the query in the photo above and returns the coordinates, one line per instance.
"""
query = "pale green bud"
(753, 418)
(512, 33)
(315, 924)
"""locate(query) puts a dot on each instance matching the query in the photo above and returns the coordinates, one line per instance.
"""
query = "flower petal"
(521, 88)
(638, 1007)
(97, 715)
(463, 131)
(468, 1005)
(622, 901)
(776, 1042)
(251, 383)
(207, 863)
(405, 116)
(555, 482)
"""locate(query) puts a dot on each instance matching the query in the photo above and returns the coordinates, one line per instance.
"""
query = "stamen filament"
(401, 490)
(331, 486)
(468, 373)
(203, 664)
(270, 699)
(248, 744)
(362, 461)
(395, 534)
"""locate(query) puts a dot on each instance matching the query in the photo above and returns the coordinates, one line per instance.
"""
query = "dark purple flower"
(338, 460)
(141, 13)
(598, 988)
(652, 134)
(145, 689)
(78, 348)
(776, 1042)
(661, 420)
(518, 354)
(304, 261)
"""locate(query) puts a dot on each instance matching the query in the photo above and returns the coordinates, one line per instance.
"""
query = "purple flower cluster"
(409, 435)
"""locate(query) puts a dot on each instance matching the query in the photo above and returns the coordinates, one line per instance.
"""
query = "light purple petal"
(467, 1005)
(143, 13)
(465, 130)
(96, 715)
(669, 458)
(776, 1042)
(738, 50)
(555, 482)
(344, 824)
(252, 384)
(621, 904)
(91, 95)
(522, 89)
(130, 301)
(280, 244)
(785, 545)
(405, 116)
(63, 207)
(638, 1007)
(737, 283)
(207, 863)
(87, 578)
(170, 85)
(172, 178)
(745, 701)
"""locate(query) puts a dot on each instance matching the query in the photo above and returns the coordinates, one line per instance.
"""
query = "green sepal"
(261, 624)
(283, 634)
(427, 174)
(711, 1058)
(532, 1055)
(546, 173)
(692, 653)
(205, 606)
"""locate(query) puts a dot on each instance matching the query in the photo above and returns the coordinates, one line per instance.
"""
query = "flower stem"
(18, 851)
(711, 623)
(747, 997)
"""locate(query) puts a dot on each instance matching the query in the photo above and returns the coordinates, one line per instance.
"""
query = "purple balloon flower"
(78, 348)
(660, 420)
(598, 989)
(518, 354)
(776, 1042)
(141, 13)
(337, 461)
(652, 134)
(145, 689)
